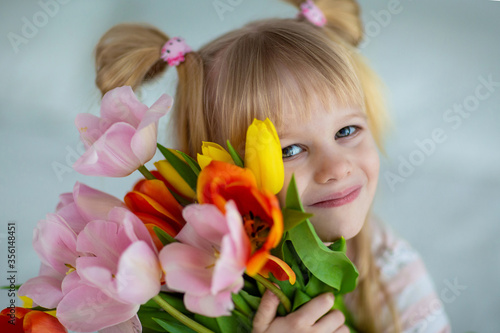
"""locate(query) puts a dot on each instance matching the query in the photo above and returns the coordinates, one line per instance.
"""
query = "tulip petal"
(207, 220)
(111, 154)
(228, 270)
(279, 268)
(139, 202)
(121, 105)
(38, 321)
(105, 241)
(12, 324)
(168, 226)
(87, 309)
(257, 262)
(94, 204)
(89, 127)
(263, 155)
(72, 215)
(55, 243)
(187, 268)
(157, 190)
(133, 325)
(143, 142)
(210, 305)
(132, 225)
(189, 236)
(64, 199)
(43, 290)
(174, 179)
(139, 273)
(70, 282)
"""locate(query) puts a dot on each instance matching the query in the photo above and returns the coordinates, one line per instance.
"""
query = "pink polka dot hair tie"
(312, 13)
(174, 51)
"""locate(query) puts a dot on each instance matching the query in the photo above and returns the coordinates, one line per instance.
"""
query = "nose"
(332, 166)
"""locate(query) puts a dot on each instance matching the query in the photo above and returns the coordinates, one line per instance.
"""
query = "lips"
(339, 198)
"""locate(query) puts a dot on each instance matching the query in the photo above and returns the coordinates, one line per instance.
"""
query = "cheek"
(370, 163)
(299, 180)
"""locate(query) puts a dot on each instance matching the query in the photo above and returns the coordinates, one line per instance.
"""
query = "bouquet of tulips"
(191, 248)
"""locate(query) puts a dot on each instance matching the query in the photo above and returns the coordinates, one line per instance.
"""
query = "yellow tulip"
(263, 155)
(212, 151)
(173, 178)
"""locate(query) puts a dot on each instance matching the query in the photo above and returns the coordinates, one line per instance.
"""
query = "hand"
(314, 316)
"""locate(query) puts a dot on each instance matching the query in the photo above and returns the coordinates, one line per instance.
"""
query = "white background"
(431, 55)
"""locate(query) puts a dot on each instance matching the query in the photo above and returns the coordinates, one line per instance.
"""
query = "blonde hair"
(272, 68)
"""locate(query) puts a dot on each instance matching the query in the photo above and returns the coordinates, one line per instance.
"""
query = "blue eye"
(345, 132)
(290, 151)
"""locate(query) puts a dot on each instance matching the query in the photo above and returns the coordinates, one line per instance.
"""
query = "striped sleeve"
(409, 284)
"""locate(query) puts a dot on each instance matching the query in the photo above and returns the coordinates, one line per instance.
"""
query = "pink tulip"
(123, 138)
(85, 204)
(119, 271)
(54, 240)
(92, 236)
(208, 263)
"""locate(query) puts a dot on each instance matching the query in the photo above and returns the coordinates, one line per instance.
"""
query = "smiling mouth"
(349, 197)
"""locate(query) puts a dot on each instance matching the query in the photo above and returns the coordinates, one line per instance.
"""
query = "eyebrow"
(352, 115)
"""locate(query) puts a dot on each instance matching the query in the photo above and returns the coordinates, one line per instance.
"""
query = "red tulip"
(220, 182)
(21, 320)
(153, 203)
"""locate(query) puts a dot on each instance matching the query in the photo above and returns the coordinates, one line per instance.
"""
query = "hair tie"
(312, 13)
(174, 51)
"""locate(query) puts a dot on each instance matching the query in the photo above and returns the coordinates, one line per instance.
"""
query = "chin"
(331, 233)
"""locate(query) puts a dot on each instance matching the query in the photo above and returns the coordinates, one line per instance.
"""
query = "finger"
(266, 312)
(332, 322)
(313, 310)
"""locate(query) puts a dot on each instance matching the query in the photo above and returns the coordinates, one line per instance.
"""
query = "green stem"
(145, 172)
(269, 285)
(195, 326)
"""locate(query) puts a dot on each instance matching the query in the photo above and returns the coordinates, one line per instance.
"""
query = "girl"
(306, 75)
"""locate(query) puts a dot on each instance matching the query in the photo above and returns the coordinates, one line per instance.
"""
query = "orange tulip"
(153, 203)
(220, 182)
(21, 320)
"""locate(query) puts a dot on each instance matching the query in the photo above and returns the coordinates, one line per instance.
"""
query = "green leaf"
(292, 200)
(146, 316)
(210, 323)
(163, 236)
(180, 166)
(316, 287)
(245, 322)
(176, 301)
(180, 199)
(292, 217)
(338, 245)
(234, 155)
(240, 304)
(331, 267)
(252, 301)
(228, 324)
(173, 327)
(300, 299)
(191, 162)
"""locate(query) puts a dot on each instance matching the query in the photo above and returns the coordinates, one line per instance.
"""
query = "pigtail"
(127, 55)
(343, 19)
(189, 119)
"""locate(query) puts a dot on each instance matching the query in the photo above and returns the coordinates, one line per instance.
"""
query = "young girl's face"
(335, 161)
